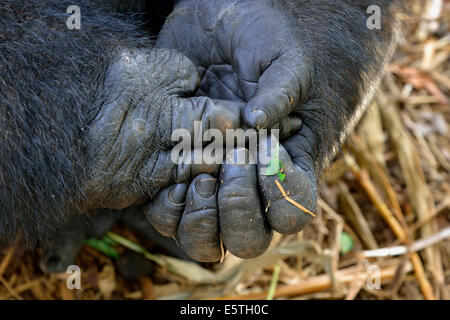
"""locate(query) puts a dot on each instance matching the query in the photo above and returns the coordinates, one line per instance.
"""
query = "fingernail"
(177, 194)
(206, 188)
(260, 117)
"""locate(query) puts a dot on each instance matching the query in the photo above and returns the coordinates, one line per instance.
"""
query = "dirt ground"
(389, 187)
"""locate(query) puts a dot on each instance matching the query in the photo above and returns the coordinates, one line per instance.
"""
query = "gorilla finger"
(299, 185)
(288, 126)
(62, 252)
(197, 115)
(170, 167)
(187, 169)
(245, 232)
(281, 88)
(199, 227)
(165, 211)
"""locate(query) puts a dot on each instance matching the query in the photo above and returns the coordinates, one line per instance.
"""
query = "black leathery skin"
(62, 252)
(300, 186)
(164, 213)
(245, 231)
(199, 228)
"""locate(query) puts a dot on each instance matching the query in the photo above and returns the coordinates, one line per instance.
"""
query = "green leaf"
(280, 174)
(103, 245)
(274, 165)
(109, 241)
(135, 247)
(346, 243)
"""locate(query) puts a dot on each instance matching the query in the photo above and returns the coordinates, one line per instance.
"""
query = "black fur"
(47, 83)
(348, 59)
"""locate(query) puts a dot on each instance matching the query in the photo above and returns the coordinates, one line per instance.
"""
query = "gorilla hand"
(141, 104)
(244, 50)
(248, 51)
(205, 212)
(279, 58)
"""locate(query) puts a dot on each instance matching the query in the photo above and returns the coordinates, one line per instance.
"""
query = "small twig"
(351, 209)
(222, 249)
(363, 178)
(335, 243)
(321, 282)
(420, 197)
(273, 283)
(417, 246)
(10, 289)
(292, 201)
(444, 204)
(366, 183)
(148, 292)
(6, 260)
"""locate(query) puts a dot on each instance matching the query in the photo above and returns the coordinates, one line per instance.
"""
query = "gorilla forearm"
(347, 60)
(121, 6)
(152, 12)
(49, 77)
